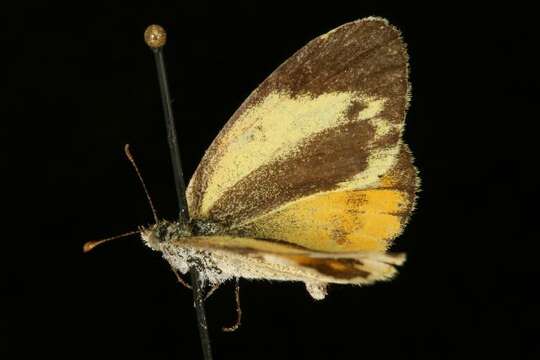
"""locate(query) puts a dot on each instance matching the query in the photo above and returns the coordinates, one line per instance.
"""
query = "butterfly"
(310, 180)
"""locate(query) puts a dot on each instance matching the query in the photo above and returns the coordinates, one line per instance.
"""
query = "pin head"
(155, 36)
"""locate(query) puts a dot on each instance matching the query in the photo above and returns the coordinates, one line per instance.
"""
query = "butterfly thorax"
(165, 231)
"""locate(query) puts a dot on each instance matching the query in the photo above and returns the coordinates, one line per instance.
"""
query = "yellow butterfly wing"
(314, 156)
(292, 262)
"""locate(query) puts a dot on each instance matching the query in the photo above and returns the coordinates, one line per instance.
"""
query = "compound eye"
(160, 233)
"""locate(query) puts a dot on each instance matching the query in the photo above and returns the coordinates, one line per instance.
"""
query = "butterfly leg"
(236, 325)
(180, 280)
(211, 291)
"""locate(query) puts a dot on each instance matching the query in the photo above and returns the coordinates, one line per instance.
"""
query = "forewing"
(322, 130)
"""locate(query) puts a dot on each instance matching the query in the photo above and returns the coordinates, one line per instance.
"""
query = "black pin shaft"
(155, 37)
(171, 136)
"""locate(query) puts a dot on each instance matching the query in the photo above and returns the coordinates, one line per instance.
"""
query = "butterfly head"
(164, 231)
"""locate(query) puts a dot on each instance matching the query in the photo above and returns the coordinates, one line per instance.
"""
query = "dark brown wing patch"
(336, 268)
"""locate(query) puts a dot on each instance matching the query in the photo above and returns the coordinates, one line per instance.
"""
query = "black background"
(79, 83)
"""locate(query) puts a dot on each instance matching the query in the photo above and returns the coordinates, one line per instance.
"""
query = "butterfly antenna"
(236, 324)
(132, 161)
(90, 245)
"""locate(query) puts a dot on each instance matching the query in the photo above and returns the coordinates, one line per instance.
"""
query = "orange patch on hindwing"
(352, 220)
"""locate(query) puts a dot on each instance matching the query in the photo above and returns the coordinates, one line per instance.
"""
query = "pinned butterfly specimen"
(309, 180)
